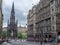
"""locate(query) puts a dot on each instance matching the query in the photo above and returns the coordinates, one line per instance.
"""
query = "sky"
(21, 10)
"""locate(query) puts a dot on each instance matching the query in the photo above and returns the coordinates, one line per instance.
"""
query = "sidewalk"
(50, 44)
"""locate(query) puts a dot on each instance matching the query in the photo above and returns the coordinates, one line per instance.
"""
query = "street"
(24, 42)
(20, 42)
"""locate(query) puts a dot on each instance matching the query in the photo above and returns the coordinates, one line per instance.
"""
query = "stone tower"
(12, 25)
(1, 18)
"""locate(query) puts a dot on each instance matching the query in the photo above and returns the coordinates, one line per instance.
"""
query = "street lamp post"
(41, 36)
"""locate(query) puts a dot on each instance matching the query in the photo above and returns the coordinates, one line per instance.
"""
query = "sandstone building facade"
(23, 30)
(1, 18)
(31, 24)
(47, 21)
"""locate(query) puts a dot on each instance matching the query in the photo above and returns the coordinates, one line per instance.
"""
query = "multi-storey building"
(23, 30)
(47, 20)
(1, 19)
(43, 20)
(31, 24)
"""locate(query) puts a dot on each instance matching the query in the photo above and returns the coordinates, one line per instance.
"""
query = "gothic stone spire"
(12, 17)
(12, 25)
(12, 8)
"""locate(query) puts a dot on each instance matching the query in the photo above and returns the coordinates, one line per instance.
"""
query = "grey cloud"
(21, 7)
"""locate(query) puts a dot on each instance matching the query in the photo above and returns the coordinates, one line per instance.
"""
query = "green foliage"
(24, 36)
(4, 34)
(20, 35)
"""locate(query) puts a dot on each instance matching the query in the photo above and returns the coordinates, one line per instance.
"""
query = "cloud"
(21, 10)
(4, 24)
(7, 2)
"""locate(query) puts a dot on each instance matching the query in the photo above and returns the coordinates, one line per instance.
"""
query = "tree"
(20, 35)
(24, 36)
(4, 34)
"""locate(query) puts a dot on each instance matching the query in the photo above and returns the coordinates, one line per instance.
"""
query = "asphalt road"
(20, 42)
(24, 42)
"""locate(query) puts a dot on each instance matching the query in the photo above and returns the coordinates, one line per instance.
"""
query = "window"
(53, 28)
(52, 9)
(52, 1)
(58, 1)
